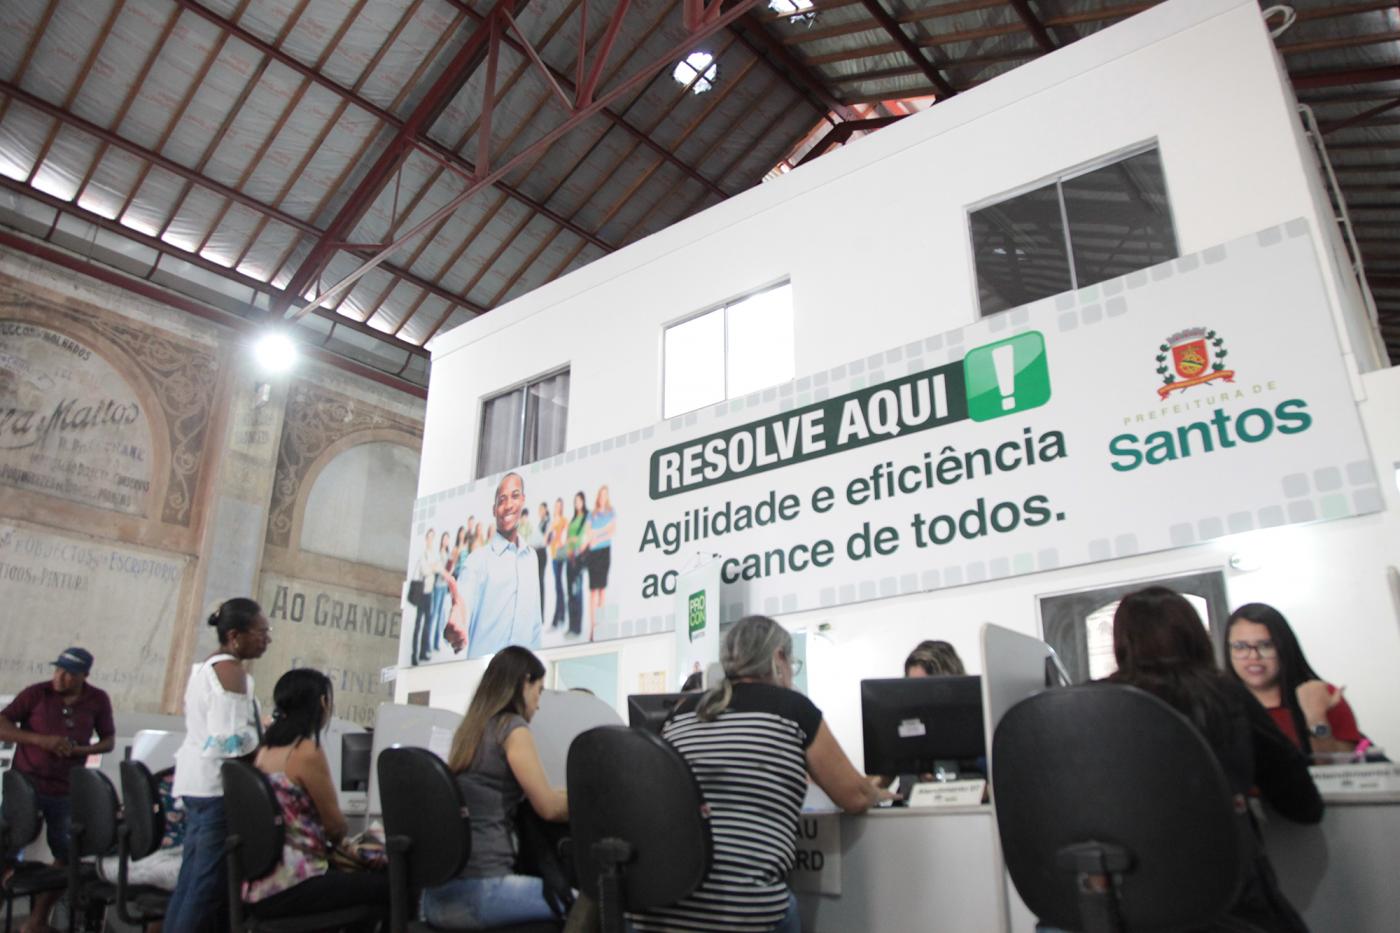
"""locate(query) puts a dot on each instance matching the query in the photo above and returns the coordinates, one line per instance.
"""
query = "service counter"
(1344, 873)
(940, 869)
(901, 869)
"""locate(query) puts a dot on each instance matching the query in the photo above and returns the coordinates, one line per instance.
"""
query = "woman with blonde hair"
(497, 765)
(751, 742)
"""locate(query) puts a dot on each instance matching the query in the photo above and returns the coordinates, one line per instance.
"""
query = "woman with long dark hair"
(297, 768)
(1162, 647)
(496, 764)
(221, 722)
(752, 742)
(577, 554)
(1265, 656)
(601, 527)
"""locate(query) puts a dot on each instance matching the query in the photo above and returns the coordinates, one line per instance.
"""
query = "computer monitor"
(912, 723)
(650, 711)
(356, 753)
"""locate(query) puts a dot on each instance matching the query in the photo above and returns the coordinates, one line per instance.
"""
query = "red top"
(41, 709)
(1340, 718)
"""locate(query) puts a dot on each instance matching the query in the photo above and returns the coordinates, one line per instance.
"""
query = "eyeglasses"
(67, 713)
(1264, 650)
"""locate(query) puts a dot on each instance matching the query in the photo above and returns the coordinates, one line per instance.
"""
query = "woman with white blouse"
(221, 722)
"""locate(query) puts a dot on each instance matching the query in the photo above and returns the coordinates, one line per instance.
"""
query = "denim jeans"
(55, 811)
(482, 903)
(198, 904)
(439, 614)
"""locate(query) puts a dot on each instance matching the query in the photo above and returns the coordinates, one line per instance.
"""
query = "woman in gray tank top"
(496, 765)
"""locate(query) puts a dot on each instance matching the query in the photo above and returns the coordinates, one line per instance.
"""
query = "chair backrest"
(1113, 764)
(19, 810)
(254, 817)
(141, 811)
(629, 784)
(93, 813)
(422, 804)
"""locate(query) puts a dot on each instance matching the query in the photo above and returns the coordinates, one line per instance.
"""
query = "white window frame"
(1059, 178)
(524, 411)
(723, 307)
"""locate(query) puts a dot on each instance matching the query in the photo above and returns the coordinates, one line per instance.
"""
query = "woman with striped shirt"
(751, 743)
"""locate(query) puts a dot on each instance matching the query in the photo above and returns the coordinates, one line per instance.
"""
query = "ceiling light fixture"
(699, 67)
(275, 352)
(795, 11)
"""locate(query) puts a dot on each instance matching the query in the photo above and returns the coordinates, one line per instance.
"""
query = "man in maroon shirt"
(53, 723)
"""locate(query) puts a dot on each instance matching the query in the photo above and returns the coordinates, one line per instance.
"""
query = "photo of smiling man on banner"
(502, 587)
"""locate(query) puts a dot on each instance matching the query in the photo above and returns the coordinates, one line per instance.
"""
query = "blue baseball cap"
(75, 660)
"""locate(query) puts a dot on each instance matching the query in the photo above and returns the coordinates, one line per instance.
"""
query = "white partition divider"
(401, 724)
(563, 716)
(1013, 667)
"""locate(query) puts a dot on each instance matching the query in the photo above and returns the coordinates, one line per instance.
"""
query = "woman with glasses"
(1162, 647)
(1265, 656)
(751, 742)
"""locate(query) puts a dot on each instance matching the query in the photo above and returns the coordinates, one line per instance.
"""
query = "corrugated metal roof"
(219, 145)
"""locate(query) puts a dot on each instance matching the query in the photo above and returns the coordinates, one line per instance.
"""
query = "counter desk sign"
(816, 868)
(959, 793)
(697, 602)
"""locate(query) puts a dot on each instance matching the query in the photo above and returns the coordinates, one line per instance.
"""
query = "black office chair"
(92, 834)
(19, 826)
(640, 828)
(1114, 813)
(427, 834)
(138, 835)
(254, 848)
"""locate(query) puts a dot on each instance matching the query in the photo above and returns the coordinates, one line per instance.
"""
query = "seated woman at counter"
(930, 658)
(496, 763)
(1265, 656)
(933, 658)
(751, 743)
(1162, 647)
(296, 765)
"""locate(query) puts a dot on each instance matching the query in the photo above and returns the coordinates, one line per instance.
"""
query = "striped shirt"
(751, 765)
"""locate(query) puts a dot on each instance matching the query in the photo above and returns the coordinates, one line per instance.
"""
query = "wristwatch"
(1320, 731)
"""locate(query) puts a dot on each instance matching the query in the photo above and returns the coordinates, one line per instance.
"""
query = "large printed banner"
(1199, 398)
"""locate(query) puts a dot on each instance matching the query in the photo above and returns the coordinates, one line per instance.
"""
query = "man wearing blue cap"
(52, 723)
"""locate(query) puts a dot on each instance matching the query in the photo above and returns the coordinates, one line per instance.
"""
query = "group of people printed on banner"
(486, 587)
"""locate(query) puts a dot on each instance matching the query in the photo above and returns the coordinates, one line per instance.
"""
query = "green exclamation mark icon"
(1007, 376)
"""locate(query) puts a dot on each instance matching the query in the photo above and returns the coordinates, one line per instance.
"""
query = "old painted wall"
(144, 478)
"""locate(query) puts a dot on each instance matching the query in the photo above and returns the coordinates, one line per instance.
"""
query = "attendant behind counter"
(930, 658)
(934, 658)
(496, 764)
(751, 742)
(1265, 656)
(1162, 647)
